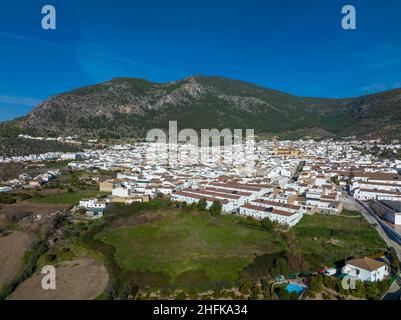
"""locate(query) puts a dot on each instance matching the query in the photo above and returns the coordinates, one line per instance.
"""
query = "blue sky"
(295, 46)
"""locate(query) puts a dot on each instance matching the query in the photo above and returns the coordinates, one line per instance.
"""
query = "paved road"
(394, 293)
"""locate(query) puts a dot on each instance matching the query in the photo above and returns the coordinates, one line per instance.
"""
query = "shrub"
(316, 283)
(267, 224)
(311, 294)
(244, 289)
(202, 204)
(193, 296)
(180, 296)
(395, 262)
(326, 296)
(216, 208)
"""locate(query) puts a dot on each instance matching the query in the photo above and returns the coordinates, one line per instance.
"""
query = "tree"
(81, 211)
(395, 262)
(316, 283)
(372, 291)
(267, 224)
(123, 289)
(202, 204)
(266, 289)
(215, 208)
(359, 290)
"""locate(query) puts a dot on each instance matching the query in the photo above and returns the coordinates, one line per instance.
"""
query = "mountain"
(126, 107)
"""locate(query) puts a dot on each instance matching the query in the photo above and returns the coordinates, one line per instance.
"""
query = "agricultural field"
(154, 246)
(66, 197)
(189, 247)
(194, 250)
(12, 249)
(78, 279)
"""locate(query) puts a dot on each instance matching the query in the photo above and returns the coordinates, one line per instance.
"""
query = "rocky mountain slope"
(125, 107)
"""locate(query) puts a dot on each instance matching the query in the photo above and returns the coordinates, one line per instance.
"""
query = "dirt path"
(12, 249)
(79, 279)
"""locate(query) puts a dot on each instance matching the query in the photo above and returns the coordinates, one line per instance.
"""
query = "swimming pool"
(293, 287)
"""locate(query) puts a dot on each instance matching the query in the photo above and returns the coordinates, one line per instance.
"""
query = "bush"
(316, 283)
(267, 224)
(217, 294)
(81, 211)
(202, 204)
(7, 198)
(267, 265)
(193, 296)
(256, 291)
(326, 296)
(395, 262)
(216, 208)
(244, 289)
(266, 289)
(180, 296)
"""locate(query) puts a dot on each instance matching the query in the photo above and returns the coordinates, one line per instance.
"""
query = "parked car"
(330, 272)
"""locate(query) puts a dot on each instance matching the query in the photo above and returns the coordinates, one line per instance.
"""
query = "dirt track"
(80, 279)
(12, 249)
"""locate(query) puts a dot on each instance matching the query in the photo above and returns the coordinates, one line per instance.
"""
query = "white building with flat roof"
(275, 215)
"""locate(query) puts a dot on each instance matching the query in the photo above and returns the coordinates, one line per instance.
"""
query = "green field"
(329, 239)
(158, 246)
(187, 245)
(66, 197)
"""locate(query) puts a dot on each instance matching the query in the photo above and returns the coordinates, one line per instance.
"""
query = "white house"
(92, 204)
(280, 216)
(193, 197)
(366, 269)
(369, 194)
(166, 190)
(122, 192)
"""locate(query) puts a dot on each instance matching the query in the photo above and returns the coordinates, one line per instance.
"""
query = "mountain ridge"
(128, 107)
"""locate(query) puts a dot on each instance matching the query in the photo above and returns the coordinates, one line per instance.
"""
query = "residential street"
(394, 293)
